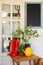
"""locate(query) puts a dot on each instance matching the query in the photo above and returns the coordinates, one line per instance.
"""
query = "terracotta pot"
(21, 53)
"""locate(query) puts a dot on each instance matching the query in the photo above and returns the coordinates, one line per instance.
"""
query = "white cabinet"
(11, 11)
(10, 18)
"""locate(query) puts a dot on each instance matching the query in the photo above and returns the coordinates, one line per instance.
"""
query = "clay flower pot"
(21, 53)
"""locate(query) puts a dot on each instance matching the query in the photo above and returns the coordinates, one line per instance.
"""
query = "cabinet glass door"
(5, 44)
(6, 27)
(10, 18)
(16, 11)
(14, 26)
(6, 32)
(6, 11)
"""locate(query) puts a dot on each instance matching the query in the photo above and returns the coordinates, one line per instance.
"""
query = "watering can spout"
(24, 51)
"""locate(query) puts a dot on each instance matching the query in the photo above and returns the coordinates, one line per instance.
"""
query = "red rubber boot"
(16, 47)
(14, 44)
(12, 47)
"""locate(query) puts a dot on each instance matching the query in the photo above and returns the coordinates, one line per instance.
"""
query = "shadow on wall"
(37, 46)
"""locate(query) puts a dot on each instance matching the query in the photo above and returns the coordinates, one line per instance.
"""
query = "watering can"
(28, 51)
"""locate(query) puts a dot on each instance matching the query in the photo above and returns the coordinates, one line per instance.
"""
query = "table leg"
(18, 63)
(30, 62)
(36, 62)
(13, 61)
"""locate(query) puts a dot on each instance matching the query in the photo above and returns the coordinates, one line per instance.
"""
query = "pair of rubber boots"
(14, 44)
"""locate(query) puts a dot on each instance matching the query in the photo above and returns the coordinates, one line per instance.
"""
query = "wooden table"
(19, 59)
(41, 61)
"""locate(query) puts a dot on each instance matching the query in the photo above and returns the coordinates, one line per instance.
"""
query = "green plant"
(16, 34)
(21, 47)
(28, 33)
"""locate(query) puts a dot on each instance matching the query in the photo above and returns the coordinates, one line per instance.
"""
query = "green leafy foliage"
(17, 33)
(30, 32)
(21, 47)
(26, 34)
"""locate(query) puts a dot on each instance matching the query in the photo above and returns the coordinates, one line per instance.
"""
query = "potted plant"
(20, 49)
(27, 34)
(17, 34)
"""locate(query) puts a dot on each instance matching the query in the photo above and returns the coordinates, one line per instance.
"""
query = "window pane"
(16, 11)
(14, 26)
(5, 44)
(6, 11)
(6, 27)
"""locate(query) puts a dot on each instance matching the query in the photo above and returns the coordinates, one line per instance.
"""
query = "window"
(33, 14)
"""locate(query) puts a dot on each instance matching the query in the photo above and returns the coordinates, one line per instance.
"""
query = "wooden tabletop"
(24, 58)
(41, 60)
